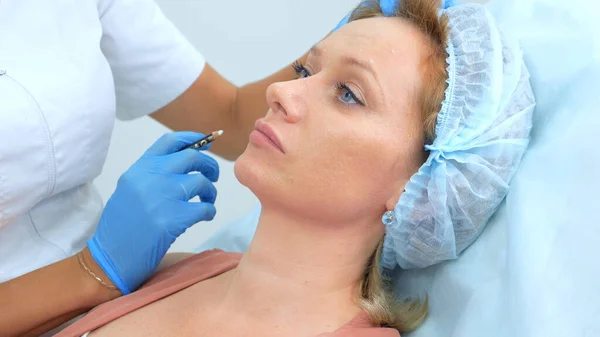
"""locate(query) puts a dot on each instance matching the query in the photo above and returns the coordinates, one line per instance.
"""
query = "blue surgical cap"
(482, 133)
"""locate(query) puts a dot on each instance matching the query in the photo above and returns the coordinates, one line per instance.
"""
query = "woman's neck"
(295, 269)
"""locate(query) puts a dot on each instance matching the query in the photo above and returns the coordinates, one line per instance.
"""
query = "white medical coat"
(67, 68)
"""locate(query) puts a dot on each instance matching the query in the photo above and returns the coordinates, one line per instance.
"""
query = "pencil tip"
(220, 132)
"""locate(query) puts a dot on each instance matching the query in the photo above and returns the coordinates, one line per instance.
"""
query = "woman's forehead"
(392, 47)
(379, 36)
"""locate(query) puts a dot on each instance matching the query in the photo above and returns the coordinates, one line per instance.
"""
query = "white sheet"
(535, 269)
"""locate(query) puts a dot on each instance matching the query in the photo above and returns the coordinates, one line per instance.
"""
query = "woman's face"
(348, 131)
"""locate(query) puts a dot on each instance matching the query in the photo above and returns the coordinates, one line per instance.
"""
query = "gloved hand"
(388, 6)
(149, 209)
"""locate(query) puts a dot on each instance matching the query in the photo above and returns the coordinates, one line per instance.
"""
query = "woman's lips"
(264, 134)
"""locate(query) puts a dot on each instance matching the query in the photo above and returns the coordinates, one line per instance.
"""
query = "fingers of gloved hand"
(193, 161)
(173, 142)
(388, 7)
(194, 185)
(194, 212)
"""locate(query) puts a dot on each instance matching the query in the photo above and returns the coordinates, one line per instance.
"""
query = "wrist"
(97, 293)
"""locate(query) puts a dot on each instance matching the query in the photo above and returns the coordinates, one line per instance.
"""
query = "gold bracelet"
(91, 273)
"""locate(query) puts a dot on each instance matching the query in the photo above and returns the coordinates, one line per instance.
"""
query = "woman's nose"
(287, 98)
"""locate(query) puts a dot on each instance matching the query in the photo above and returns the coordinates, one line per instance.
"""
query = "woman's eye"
(347, 96)
(301, 70)
(304, 73)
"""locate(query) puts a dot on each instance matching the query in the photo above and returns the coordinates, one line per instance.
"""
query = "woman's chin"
(250, 172)
(260, 179)
(241, 171)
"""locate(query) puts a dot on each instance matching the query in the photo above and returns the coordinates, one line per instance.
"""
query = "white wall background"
(245, 41)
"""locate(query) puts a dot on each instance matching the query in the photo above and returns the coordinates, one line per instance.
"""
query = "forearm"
(54, 323)
(49, 297)
(212, 103)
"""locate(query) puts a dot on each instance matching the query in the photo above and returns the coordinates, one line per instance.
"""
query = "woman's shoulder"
(174, 258)
(210, 262)
(182, 274)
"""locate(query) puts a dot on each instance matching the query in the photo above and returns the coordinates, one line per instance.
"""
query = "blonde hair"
(379, 300)
(377, 295)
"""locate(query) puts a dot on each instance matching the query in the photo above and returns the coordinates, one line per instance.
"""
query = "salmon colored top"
(187, 273)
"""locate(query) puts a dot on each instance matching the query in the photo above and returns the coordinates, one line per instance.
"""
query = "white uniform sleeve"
(151, 61)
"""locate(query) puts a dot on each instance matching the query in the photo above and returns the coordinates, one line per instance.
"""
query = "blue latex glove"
(150, 208)
(387, 6)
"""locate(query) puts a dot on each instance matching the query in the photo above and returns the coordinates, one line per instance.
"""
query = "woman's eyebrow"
(348, 60)
(352, 61)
